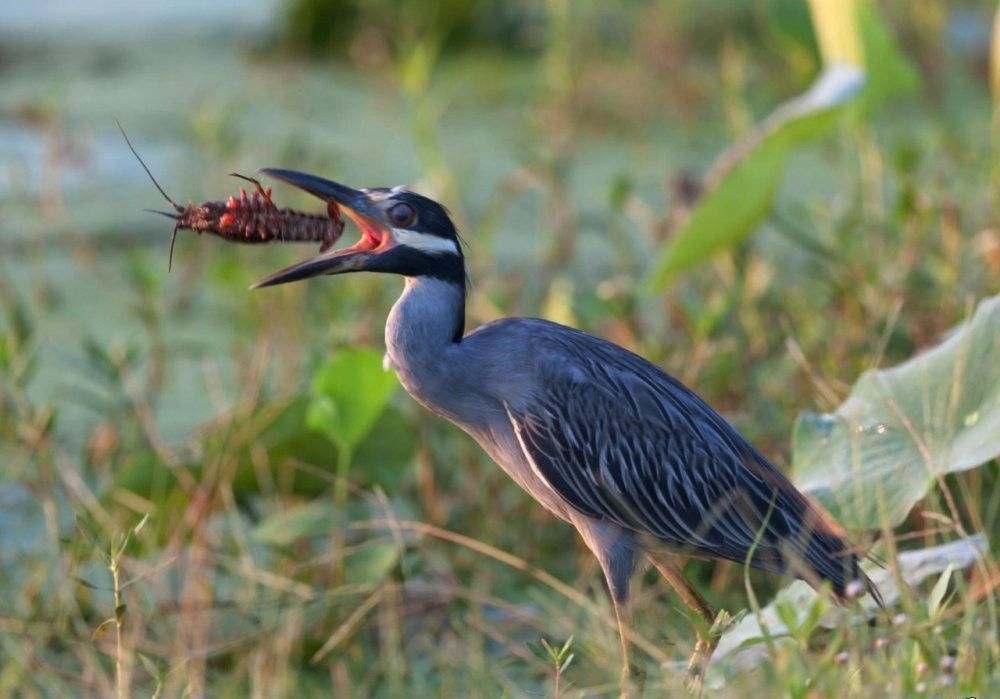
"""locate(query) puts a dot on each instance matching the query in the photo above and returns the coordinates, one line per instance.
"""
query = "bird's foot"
(695, 678)
(703, 649)
(633, 682)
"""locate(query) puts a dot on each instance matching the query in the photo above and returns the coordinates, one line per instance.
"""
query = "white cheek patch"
(425, 242)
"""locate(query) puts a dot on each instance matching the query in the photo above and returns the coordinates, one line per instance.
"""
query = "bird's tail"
(828, 557)
(799, 536)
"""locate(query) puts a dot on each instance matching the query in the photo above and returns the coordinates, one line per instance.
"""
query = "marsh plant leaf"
(371, 563)
(367, 564)
(285, 528)
(852, 32)
(742, 184)
(349, 393)
(902, 428)
(890, 74)
(862, 64)
(798, 606)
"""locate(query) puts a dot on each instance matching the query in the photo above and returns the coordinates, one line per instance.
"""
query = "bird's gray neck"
(422, 333)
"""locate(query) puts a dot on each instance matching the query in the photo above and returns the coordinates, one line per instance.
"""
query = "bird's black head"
(402, 232)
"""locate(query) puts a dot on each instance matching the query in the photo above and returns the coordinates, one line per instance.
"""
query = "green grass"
(180, 401)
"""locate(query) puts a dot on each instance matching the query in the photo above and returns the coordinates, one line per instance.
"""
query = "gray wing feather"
(621, 440)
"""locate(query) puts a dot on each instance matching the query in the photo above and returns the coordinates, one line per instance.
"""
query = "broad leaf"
(743, 182)
(372, 563)
(852, 32)
(901, 428)
(285, 528)
(889, 73)
(745, 179)
(349, 393)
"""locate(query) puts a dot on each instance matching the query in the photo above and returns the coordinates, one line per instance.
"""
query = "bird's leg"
(615, 551)
(707, 641)
(633, 678)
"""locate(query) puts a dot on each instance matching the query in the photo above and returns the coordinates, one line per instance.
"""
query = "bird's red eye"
(402, 215)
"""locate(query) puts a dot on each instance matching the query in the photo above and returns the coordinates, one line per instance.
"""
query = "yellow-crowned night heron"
(601, 437)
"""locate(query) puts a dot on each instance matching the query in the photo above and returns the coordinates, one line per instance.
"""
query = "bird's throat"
(424, 326)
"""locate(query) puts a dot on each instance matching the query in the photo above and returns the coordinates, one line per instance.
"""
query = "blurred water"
(110, 19)
(67, 181)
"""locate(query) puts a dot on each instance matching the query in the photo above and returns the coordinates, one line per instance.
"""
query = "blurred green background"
(285, 554)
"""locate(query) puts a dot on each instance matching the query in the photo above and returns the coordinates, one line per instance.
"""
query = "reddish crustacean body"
(250, 218)
(254, 218)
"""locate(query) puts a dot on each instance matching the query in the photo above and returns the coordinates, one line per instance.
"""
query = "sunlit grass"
(179, 402)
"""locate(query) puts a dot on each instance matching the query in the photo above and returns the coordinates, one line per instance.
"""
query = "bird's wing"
(620, 440)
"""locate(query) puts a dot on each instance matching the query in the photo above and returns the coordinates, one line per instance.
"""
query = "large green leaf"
(889, 73)
(349, 393)
(901, 428)
(743, 182)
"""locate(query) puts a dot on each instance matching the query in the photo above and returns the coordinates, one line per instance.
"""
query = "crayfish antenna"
(168, 214)
(142, 162)
(173, 236)
(170, 255)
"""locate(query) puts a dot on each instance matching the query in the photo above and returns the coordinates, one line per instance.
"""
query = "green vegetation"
(210, 491)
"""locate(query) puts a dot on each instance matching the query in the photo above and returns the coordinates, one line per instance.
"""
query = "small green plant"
(349, 394)
(558, 658)
(113, 559)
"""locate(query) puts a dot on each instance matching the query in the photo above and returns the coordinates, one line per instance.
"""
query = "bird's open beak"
(357, 206)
